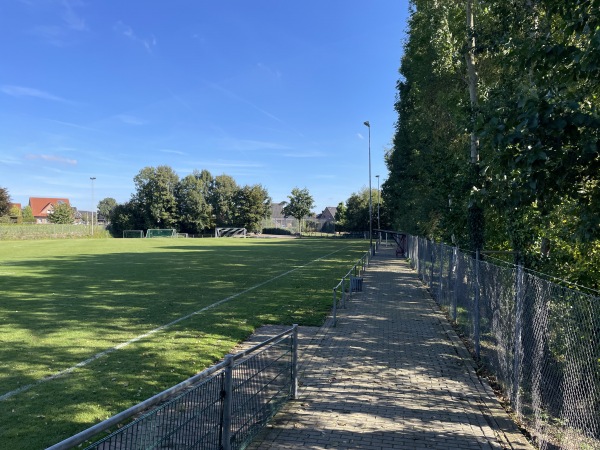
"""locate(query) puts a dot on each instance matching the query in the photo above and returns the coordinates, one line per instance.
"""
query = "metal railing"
(223, 407)
(539, 340)
(351, 282)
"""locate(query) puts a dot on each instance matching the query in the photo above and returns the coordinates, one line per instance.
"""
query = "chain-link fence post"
(440, 290)
(334, 307)
(518, 349)
(295, 361)
(455, 286)
(476, 309)
(432, 262)
(227, 403)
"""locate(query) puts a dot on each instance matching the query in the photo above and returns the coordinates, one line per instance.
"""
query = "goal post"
(230, 232)
(133, 233)
(161, 233)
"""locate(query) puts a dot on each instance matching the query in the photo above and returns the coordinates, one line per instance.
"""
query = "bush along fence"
(538, 340)
(223, 407)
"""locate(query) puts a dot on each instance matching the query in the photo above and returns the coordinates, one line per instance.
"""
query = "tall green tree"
(357, 210)
(126, 216)
(222, 198)
(253, 205)
(28, 215)
(155, 195)
(105, 207)
(299, 205)
(193, 208)
(4, 201)
(61, 213)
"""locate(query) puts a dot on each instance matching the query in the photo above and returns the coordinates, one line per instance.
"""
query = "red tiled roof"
(39, 205)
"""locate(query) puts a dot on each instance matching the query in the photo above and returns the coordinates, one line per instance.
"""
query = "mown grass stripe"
(156, 330)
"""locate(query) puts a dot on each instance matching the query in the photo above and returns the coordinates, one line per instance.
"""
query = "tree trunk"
(472, 74)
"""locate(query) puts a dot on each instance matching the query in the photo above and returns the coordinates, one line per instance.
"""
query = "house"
(326, 219)
(40, 207)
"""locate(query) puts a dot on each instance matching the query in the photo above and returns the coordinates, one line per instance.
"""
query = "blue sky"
(268, 91)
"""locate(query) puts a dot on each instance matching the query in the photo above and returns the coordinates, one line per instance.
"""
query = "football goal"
(161, 233)
(230, 232)
(181, 235)
(133, 233)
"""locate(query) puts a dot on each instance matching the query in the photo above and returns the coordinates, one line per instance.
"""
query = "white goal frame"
(163, 233)
(137, 234)
(230, 232)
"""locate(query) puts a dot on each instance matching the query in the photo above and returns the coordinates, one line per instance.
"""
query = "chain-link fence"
(222, 408)
(538, 340)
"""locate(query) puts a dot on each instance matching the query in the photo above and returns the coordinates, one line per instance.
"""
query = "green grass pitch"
(64, 301)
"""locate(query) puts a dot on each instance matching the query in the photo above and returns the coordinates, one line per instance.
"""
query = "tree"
(193, 210)
(15, 214)
(4, 201)
(300, 204)
(155, 195)
(126, 216)
(340, 217)
(28, 215)
(62, 213)
(357, 210)
(253, 205)
(222, 198)
(105, 207)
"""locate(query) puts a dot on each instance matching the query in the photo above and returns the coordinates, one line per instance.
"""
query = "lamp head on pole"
(367, 123)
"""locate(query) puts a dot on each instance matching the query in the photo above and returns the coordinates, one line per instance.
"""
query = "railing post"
(519, 300)
(432, 261)
(334, 306)
(295, 361)
(455, 285)
(476, 336)
(227, 402)
(440, 290)
(344, 292)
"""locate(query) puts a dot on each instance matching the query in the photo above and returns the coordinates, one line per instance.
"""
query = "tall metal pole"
(368, 125)
(92, 178)
(378, 203)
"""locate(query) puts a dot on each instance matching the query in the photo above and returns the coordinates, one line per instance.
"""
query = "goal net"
(181, 235)
(230, 232)
(133, 233)
(161, 233)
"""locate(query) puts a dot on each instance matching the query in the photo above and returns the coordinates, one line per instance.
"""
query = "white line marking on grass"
(154, 331)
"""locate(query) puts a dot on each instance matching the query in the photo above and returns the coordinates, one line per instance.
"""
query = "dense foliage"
(190, 205)
(4, 201)
(534, 188)
(62, 213)
(299, 205)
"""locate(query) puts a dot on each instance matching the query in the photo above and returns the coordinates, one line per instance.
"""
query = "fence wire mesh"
(540, 341)
(260, 384)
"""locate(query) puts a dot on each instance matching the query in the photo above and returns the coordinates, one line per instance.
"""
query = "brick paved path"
(392, 374)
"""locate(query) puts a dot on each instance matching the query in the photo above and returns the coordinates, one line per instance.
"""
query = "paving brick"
(392, 374)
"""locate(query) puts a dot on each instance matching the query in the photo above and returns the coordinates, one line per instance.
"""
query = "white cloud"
(21, 91)
(130, 120)
(175, 152)
(52, 158)
(305, 155)
(360, 136)
(71, 18)
(128, 32)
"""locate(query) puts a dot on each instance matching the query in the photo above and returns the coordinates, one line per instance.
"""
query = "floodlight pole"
(368, 125)
(92, 210)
